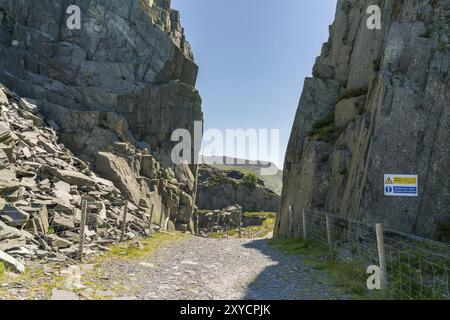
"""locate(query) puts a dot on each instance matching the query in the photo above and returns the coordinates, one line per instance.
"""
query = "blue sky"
(253, 57)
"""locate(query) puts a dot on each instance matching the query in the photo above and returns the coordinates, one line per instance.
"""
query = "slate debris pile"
(42, 187)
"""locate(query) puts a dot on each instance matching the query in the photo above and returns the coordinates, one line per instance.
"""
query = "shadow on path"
(289, 278)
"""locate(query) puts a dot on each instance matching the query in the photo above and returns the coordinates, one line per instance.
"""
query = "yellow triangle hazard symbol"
(389, 181)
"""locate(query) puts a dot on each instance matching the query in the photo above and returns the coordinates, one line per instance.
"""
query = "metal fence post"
(381, 256)
(124, 223)
(329, 238)
(82, 226)
(304, 224)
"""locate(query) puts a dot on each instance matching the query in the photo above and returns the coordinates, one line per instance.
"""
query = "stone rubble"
(219, 220)
(43, 186)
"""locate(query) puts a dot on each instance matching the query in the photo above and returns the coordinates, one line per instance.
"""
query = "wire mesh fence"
(73, 233)
(411, 267)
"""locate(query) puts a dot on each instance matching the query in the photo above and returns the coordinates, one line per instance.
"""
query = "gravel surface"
(199, 268)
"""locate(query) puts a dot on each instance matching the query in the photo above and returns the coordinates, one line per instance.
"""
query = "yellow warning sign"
(389, 181)
(405, 180)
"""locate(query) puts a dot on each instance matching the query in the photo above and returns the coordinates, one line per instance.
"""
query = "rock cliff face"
(218, 189)
(114, 90)
(127, 75)
(378, 103)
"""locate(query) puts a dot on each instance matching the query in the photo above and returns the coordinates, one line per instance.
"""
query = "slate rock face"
(127, 75)
(379, 103)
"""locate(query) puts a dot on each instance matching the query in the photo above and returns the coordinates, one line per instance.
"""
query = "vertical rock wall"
(127, 75)
(378, 103)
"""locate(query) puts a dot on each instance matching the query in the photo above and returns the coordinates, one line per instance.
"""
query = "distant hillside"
(218, 189)
(272, 182)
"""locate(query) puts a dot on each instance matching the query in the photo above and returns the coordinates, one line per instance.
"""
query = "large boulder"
(116, 169)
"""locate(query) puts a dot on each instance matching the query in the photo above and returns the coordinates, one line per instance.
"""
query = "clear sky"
(253, 57)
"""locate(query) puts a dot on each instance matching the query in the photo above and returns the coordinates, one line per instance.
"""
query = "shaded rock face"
(127, 75)
(42, 187)
(218, 189)
(378, 103)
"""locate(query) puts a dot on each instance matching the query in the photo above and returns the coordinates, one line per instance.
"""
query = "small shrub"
(396, 9)
(324, 122)
(429, 33)
(442, 45)
(376, 63)
(329, 134)
(352, 93)
(250, 179)
(443, 231)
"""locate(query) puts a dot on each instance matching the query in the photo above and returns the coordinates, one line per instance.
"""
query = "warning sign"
(401, 185)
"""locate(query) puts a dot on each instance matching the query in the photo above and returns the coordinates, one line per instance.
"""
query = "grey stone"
(6, 258)
(60, 295)
(58, 242)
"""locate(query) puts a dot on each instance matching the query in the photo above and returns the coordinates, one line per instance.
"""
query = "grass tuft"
(2, 270)
(348, 276)
(132, 250)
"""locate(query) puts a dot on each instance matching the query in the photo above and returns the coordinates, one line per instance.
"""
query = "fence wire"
(417, 268)
(57, 232)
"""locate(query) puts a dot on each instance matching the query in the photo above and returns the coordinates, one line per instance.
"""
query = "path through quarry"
(201, 268)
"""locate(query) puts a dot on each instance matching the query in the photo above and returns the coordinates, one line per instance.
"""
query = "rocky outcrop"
(218, 189)
(266, 171)
(378, 103)
(219, 220)
(127, 75)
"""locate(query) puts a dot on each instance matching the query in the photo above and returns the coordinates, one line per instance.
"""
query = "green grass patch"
(250, 179)
(325, 129)
(324, 122)
(132, 250)
(261, 231)
(352, 93)
(2, 270)
(328, 134)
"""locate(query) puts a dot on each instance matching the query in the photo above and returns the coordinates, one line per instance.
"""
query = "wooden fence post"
(82, 226)
(382, 256)
(329, 238)
(197, 225)
(240, 223)
(150, 220)
(124, 222)
(304, 224)
(167, 219)
(161, 219)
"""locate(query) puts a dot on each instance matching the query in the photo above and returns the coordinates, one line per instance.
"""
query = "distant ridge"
(273, 182)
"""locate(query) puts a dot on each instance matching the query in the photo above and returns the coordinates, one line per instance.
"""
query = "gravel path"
(199, 268)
